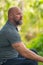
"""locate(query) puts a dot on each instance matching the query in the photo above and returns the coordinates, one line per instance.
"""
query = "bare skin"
(15, 16)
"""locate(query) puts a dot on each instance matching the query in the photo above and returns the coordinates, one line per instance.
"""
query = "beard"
(18, 22)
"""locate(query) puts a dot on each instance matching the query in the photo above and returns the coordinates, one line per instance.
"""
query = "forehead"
(17, 10)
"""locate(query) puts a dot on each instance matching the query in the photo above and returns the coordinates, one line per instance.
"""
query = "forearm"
(31, 55)
(21, 48)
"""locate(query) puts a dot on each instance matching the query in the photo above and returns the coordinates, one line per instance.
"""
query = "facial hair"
(18, 22)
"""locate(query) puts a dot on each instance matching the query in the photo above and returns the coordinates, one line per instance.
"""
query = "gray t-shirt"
(8, 35)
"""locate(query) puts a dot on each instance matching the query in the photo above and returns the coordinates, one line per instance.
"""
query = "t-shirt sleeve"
(13, 37)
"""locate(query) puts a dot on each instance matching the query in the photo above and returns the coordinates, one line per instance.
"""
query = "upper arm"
(13, 36)
(20, 47)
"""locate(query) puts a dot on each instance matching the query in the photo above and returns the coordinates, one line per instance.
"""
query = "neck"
(12, 22)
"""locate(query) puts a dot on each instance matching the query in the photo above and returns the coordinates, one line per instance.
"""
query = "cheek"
(18, 16)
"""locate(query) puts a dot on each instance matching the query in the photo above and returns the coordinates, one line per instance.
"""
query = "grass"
(40, 63)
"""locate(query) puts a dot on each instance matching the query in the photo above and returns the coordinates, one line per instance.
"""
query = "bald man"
(11, 44)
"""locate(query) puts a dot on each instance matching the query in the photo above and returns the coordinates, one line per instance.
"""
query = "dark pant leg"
(20, 61)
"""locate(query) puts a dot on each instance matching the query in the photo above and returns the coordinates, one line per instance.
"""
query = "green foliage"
(37, 43)
(40, 63)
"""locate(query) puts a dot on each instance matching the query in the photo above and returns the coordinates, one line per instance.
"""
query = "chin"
(19, 23)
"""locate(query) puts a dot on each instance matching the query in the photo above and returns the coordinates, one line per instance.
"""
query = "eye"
(19, 13)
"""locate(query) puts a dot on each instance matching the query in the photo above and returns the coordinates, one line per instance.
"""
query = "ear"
(11, 15)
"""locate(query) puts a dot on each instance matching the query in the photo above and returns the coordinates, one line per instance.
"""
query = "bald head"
(13, 10)
(15, 14)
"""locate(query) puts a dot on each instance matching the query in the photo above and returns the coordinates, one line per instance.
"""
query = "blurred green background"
(31, 30)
